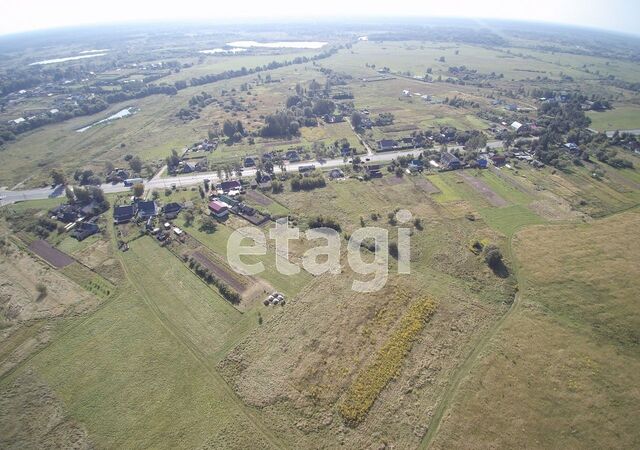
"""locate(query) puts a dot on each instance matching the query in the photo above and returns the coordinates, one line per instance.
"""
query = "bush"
(321, 221)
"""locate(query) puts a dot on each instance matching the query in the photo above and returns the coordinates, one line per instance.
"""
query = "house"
(218, 209)
(385, 145)
(249, 162)
(499, 160)
(450, 161)
(336, 173)
(188, 167)
(123, 213)
(84, 229)
(366, 123)
(171, 210)
(230, 185)
(572, 147)
(147, 208)
(416, 164)
(65, 213)
(374, 170)
(228, 200)
(292, 156)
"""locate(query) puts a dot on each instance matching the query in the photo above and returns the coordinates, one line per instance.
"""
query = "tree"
(188, 218)
(356, 120)
(138, 189)
(208, 225)
(228, 128)
(136, 164)
(71, 198)
(42, 291)
(58, 177)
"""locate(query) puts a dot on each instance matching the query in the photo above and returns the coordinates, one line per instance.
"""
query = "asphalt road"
(8, 197)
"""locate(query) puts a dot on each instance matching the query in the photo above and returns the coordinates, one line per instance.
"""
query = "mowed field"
(563, 369)
(140, 370)
(623, 117)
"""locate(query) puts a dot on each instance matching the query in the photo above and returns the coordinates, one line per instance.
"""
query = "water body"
(218, 51)
(70, 58)
(102, 50)
(282, 44)
(119, 115)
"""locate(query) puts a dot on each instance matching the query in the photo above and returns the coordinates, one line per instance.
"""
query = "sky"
(27, 15)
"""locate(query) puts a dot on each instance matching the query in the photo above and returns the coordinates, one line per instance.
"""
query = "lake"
(281, 44)
(119, 115)
(216, 51)
(69, 58)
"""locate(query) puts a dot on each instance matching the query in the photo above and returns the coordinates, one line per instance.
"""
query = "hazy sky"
(23, 15)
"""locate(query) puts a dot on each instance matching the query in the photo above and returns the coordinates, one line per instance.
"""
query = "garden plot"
(480, 186)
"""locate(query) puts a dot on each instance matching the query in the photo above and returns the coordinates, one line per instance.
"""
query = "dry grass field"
(563, 369)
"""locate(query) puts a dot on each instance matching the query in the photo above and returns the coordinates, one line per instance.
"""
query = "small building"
(218, 209)
(482, 163)
(406, 93)
(171, 210)
(499, 160)
(374, 170)
(572, 147)
(516, 125)
(335, 174)
(147, 208)
(450, 161)
(416, 164)
(123, 213)
(84, 229)
(385, 145)
(230, 185)
(292, 156)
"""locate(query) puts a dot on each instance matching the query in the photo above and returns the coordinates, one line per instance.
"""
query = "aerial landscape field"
(478, 181)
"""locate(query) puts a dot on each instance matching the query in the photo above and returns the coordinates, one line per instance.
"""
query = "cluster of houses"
(290, 156)
(224, 202)
(80, 220)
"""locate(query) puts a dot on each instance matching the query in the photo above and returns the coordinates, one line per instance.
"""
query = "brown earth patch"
(393, 180)
(52, 255)
(482, 187)
(219, 271)
(426, 186)
(259, 198)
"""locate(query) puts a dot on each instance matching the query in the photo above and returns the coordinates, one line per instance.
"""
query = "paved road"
(635, 132)
(9, 197)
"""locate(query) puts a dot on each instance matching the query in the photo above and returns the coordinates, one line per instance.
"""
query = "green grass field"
(623, 117)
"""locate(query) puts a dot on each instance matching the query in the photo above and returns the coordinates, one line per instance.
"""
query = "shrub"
(386, 363)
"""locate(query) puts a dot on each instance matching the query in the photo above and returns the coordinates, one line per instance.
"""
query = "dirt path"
(216, 379)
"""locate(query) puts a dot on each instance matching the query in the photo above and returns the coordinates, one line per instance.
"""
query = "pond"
(119, 115)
